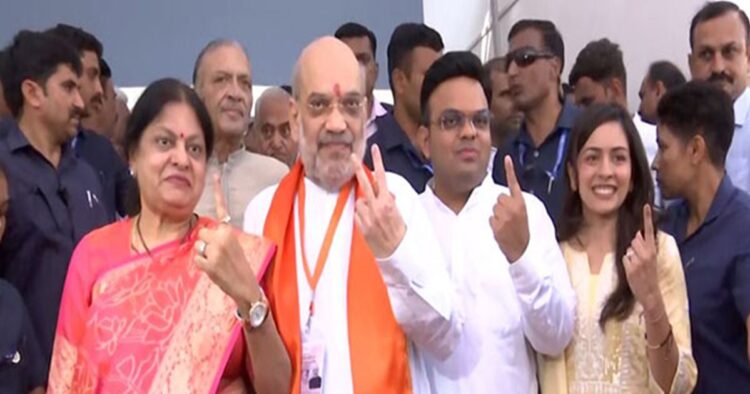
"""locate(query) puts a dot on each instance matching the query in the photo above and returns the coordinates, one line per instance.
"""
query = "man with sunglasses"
(510, 276)
(412, 50)
(719, 39)
(534, 64)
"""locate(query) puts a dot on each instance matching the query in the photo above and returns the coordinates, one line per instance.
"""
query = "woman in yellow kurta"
(632, 332)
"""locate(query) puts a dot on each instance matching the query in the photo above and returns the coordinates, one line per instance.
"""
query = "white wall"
(459, 22)
(646, 30)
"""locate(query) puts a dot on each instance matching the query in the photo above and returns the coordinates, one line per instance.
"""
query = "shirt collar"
(565, 121)
(681, 211)
(741, 108)
(377, 110)
(16, 139)
(234, 156)
(722, 198)
(394, 135)
(474, 198)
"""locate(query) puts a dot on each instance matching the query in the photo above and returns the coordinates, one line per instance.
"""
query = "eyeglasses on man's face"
(452, 120)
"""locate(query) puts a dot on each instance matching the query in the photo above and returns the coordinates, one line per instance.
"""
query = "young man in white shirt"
(499, 242)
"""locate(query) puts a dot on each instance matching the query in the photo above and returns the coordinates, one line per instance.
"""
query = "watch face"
(258, 314)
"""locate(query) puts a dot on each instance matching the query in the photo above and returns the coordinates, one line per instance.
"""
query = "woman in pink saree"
(167, 301)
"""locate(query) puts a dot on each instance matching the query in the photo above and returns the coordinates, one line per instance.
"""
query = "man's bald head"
(271, 94)
(325, 59)
(328, 111)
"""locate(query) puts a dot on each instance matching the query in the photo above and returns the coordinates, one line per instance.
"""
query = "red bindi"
(336, 90)
(182, 136)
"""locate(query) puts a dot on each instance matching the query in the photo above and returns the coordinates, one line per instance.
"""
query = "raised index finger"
(364, 183)
(510, 176)
(221, 206)
(648, 226)
(377, 162)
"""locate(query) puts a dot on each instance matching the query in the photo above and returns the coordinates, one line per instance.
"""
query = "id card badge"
(313, 363)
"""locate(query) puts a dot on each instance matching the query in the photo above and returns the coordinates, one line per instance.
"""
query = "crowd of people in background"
(495, 229)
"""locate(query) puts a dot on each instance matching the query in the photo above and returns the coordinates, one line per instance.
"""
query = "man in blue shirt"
(89, 144)
(55, 198)
(710, 225)
(412, 50)
(534, 63)
(4, 111)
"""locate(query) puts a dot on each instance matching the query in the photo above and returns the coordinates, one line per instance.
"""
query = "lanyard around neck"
(313, 278)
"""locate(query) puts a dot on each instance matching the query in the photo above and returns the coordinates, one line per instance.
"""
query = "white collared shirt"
(738, 157)
(377, 111)
(416, 276)
(647, 132)
(511, 310)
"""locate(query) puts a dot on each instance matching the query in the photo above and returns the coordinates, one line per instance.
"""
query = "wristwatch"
(257, 313)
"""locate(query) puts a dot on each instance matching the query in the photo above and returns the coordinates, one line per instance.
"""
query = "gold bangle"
(662, 344)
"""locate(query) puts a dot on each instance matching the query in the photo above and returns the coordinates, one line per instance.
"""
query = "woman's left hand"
(223, 259)
(640, 266)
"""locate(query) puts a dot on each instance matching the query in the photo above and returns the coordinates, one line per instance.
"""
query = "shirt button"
(536, 154)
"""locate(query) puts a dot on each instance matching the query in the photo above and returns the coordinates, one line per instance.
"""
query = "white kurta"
(416, 277)
(511, 310)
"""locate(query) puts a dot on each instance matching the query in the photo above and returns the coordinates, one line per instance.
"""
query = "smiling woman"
(172, 280)
(632, 333)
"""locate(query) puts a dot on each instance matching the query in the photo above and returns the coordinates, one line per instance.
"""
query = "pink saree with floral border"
(140, 323)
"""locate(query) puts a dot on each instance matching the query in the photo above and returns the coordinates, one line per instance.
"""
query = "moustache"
(329, 137)
(77, 113)
(236, 108)
(719, 77)
(97, 99)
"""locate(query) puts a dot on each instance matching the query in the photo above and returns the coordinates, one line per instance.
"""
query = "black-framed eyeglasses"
(524, 57)
(452, 120)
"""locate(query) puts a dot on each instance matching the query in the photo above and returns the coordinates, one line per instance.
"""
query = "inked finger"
(362, 179)
(510, 176)
(648, 226)
(221, 206)
(377, 161)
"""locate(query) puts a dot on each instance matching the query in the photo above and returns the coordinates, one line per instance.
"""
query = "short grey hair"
(214, 44)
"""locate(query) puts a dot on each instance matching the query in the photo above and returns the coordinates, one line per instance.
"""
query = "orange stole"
(377, 345)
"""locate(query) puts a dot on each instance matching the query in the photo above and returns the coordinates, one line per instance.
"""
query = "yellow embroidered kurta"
(615, 360)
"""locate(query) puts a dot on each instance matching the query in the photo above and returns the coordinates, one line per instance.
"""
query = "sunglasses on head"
(525, 57)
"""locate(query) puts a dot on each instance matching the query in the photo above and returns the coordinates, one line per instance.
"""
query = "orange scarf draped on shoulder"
(377, 345)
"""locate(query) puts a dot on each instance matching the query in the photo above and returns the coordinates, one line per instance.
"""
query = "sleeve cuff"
(524, 272)
(402, 262)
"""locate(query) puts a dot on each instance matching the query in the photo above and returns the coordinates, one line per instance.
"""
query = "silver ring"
(226, 219)
(202, 245)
